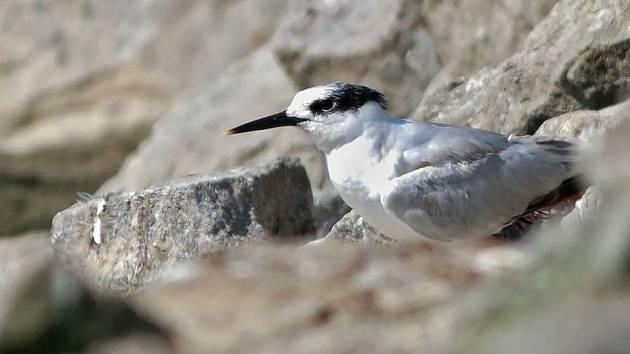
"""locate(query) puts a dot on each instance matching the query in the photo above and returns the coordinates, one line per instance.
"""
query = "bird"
(412, 180)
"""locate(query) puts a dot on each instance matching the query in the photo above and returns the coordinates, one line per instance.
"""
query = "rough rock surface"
(328, 208)
(81, 83)
(354, 230)
(377, 43)
(586, 209)
(472, 34)
(556, 71)
(191, 139)
(118, 241)
(587, 125)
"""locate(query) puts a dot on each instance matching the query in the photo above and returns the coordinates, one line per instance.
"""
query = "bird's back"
(475, 182)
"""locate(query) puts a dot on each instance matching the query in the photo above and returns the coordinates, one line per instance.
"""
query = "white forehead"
(303, 99)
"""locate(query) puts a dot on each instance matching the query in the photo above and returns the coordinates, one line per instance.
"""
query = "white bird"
(411, 179)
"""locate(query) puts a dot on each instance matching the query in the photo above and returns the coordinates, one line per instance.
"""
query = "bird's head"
(330, 114)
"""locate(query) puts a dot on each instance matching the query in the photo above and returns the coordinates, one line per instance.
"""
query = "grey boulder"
(586, 125)
(472, 34)
(382, 44)
(119, 241)
(556, 71)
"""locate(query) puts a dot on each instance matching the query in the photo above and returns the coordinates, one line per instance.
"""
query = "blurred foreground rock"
(54, 314)
(81, 83)
(325, 299)
(22, 258)
(574, 59)
(118, 242)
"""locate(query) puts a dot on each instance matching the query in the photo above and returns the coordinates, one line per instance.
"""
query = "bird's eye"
(325, 105)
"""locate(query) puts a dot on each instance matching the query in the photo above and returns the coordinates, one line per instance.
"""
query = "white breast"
(351, 167)
(360, 177)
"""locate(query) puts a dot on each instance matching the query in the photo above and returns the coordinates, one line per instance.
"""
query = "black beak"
(275, 120)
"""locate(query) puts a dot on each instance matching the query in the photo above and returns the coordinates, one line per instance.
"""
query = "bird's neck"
(365, 122)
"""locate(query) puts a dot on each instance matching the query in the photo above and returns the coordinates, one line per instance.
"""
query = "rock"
(380, 44)
(328, 208)
(476, 33)
(556, 71)
(82, 83)
(119, 241)
(586, 125)
(54, 313)
(586, 209)
(136, 343)
(22, 259)
(191, 139)
(329, 299)
(354, 230)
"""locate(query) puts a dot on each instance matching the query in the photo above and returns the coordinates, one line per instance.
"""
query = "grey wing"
(449, 143)
(477, 197)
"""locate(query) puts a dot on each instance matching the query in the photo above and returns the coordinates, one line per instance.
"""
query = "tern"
(421, 179)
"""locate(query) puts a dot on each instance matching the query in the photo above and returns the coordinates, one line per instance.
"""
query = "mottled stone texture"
(574, 59)
(354, 230)
(141, 231)
(472, 34)
(378, 43)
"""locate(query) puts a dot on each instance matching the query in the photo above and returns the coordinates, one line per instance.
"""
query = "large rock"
(190, 139)
(472, 34)
(329, 299)
(118, 241)
(586, 125)
(81, 83)
(382, 44)
(574, 59)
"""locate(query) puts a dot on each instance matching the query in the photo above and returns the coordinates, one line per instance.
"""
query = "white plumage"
(411, 179)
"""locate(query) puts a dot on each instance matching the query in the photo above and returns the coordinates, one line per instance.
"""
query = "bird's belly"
(361, 189)
(369, 206)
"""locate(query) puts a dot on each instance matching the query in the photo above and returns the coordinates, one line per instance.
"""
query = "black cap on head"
(347, 97)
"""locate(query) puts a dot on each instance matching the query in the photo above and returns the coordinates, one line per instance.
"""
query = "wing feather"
(479, 186)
